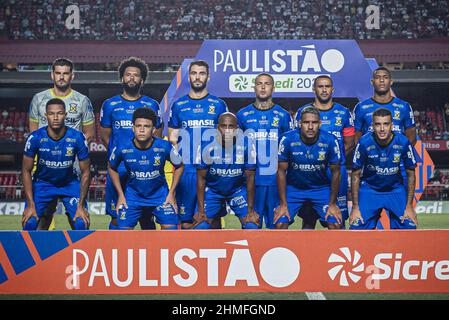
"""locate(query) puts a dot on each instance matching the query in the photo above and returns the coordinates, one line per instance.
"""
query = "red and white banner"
(228, 261)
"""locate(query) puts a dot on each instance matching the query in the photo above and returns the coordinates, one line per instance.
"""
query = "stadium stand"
(186, 20)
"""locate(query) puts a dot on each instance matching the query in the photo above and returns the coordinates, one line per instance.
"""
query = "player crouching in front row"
(56, 146)
(376, 178)
(227, 169)
(304, 158)
(146, 192)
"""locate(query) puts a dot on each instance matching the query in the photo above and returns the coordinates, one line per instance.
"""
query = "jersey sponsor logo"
(383, 171)
(264, 135)
(127, 150)
(123, 124)
(212, 100)
(180, 103)
(44, 150)
(248, 113)
(56, 152)
(226, 172)
(307, 167)
(145, 175)
(185, 109)
(56, 164)
(113, 103)
(366, 106)
(198, 110)
(70, 140)
(198, 123)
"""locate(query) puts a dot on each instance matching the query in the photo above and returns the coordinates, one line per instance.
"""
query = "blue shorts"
(46, 194)
(112, 195)
(371, 203)
(186, 196)
(214, 203)
(318, 199)
(342, 197)
(266, 199)
(128, 218)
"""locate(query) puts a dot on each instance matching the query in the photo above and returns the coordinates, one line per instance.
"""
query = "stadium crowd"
(186, 20)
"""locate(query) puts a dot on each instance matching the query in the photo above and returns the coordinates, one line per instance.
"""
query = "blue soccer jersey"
(55, 158)
(307, 164)
(337, 120)
(226, 167)
(146, 183)
(401, 111)
(266, 127)
(195, 116)
(381, 165)
(117, 114)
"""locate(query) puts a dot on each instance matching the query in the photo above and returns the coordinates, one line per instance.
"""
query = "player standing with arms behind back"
(190, 117)
(266, 122)
(116, 124)
(337, 120)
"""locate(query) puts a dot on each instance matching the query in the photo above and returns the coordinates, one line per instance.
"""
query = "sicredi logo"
(346, 261)
(388, 266)
(279, 267)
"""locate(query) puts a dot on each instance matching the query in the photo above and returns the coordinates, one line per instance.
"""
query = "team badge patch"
(397, 115)
(72, 108)
(338, 121)
(321, 155)
(276, 122)
(396, 158)
(69, 152)
(211, 110)
(157, 161)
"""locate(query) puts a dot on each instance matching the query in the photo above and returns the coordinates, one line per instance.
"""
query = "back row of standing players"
(311, 179)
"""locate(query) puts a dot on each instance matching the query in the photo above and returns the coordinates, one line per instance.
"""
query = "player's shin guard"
(250, 225)
(79, 224)
(203, 225)
(31, 224)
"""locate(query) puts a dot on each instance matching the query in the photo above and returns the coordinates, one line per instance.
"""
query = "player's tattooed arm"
(411, 135)
(27, 167)
(349, 144)
(355, 185)
(333, 209)
(281, 180)
(84, 188)
(357, 136)
(409, 210)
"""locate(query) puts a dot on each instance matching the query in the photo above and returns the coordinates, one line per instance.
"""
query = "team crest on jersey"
(275, 122)
(239, 159)
(396, 158)
(397, 115)
(157, 161)
(72, 107)
(338, 121)
(211, 110)
(69, 152)
(321, 155)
